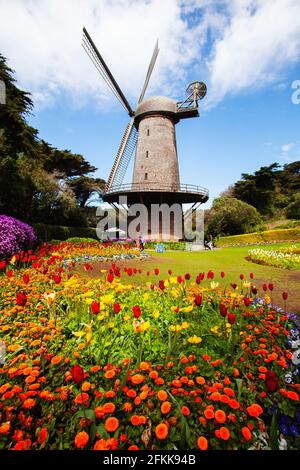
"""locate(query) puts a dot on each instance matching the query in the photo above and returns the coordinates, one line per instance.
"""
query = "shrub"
(46, 233)
(78, 240)
(256, 238)
(15, 236)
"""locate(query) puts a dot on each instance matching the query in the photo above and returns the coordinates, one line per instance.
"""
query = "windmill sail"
(124, 154)
(149, 72)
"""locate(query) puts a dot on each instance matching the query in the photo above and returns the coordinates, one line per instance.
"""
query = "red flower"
(56, 278)
(242, 277)
(285, 295)
(198, 279)
(117, 308)
(271, 381)
(2, 264)
(136, 311)
(271, 286)
(254, 290)
(9, 273)
(26, 278)
(161, 285)
(251, 275)
(187, 276)
(60, 270)
(198, 300)
(21, 299)
(156, 271)
(179, 279)
(110, 277)
(231, 318)
(233, 285)
(210, 275)
(222, 274)
(77, 373)
(223, 310)
(265, 287)
(247, 301)
(170, 272)
(95, 307)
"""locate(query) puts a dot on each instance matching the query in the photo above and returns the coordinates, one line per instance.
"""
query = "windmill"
(150, 136)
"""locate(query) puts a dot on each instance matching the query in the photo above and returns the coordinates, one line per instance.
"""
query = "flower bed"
(15, 236)
(258, 238)
(100, 364)
(287, 258)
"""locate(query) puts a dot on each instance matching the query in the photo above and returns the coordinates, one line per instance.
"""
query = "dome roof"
(157, 104)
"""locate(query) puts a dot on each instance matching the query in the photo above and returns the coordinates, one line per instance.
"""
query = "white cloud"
(235, 45)
(287, 147)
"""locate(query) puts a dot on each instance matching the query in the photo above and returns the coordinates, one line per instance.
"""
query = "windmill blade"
(124, 154)
(149, 72)
(98, 61)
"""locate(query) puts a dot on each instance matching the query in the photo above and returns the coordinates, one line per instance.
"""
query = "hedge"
(46, 233)
(257, 238)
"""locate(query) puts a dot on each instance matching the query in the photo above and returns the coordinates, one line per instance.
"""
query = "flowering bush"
(99, 364)
(288, 258)
(15, 236)
(257, 238)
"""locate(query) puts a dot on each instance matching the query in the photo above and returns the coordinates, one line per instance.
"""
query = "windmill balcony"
(154, 193)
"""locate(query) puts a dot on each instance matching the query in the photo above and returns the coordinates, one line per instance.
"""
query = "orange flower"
(142, 420)
(127, 407)
(101, 444)
(220, 416)
(111, 424)
(4, 388)
(43, 434)
(137, 379)
(95, 368)
(209, 413)
(153, 374)
(234, 404)
(109, 407)
(5, 427)
(162, 395)
(246, 433)
(145, 365)
(109, 374)
(165, 407)
(161, 431)
(99, 412)
(202, 443)
(85, 386)
(200, 381)
(133, 447)
(131, 393)
(255, 410)
(29, 403)
(56, 359)
(81, 398)
(224, 433)
(110, 394)
(135, 420)
(185, 411)
(81, 440)
(293, 396)
(229, 391)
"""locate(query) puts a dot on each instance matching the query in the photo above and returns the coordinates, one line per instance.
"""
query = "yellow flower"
(88, 301)
(214, 285)
(185, 325)
(195, 339)
(267, 299)
(145, 326)
(156, 314)
(246, 285)
(228, 326)
(173, 280)
(174, 308)
(89, 293)
(215, 330)
(167, 283)
(107, 299)
(49, 297)
(110, 324)
(126, 317)
(13, 260)
(146, 296)
(175, 328)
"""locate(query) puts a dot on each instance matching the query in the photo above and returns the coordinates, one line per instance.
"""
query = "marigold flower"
(220, 416)
(111, 424)
(5, 427)
(185, 411)
(101, 444)
(133, 447)
(202, 443)
(127, 407)
(108, 407)
(224, 433)
(161, 431)
(43, 434)
(255, 410)
(135, 420)
(142, 420)
(165, 407)
(85, 386)
(109, 374)
(29, 403)
(137, 379)
(209, 413)
(246, 433)
(81, 440)
(293, 396)
(162, 395)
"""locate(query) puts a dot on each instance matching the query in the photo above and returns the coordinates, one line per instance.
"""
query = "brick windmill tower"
(150, 136)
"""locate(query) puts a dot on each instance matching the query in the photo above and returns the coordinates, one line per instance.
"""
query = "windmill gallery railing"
(155, 187)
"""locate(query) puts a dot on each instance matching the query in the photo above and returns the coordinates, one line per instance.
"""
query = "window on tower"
(148, 132)
(146, 176)
(147, 154)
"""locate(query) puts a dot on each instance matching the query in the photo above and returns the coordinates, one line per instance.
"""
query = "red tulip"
(271, 286)
(26, 278)
(231, 318)
(198, 280)
(198, 300)
(136, 311)
(156, 271)
(242, 277)
(179, 279)
(170, 272)
(247, 301)
(2, 264)
(265, 287)
(187, 276)
(56, 278)
(222, 274)
(285, 295)
(161, 285)
(233, 285)
(77, 374)
(223, 310)
(148, 273)
(251, 275)
(117, 308)
(210, 275)
(271, 381)
(21, 299)
(110, 277)
(129, 272)
(152, 286)
(60, 269)
(95, 307)
(9, 273)
(254, 290)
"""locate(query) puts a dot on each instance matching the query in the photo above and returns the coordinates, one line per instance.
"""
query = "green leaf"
(274, 432)
(102, 431)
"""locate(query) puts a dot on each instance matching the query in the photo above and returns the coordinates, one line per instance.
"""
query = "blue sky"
(247, 119)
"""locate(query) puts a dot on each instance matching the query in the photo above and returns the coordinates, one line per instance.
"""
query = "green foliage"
(293, 210)
(269, 236)
(270, 189)
(230, 216)
(47, 233)
(38, 182)
(78, 240)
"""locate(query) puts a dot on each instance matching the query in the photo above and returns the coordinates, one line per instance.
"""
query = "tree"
(293, 209)
(229, 216)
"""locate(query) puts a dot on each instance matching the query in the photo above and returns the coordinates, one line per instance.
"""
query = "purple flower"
(15, 236)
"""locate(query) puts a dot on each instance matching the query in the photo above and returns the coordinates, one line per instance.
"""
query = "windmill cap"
(156, 104)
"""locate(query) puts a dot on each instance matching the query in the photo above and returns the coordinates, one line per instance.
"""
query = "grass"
(230, 260)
